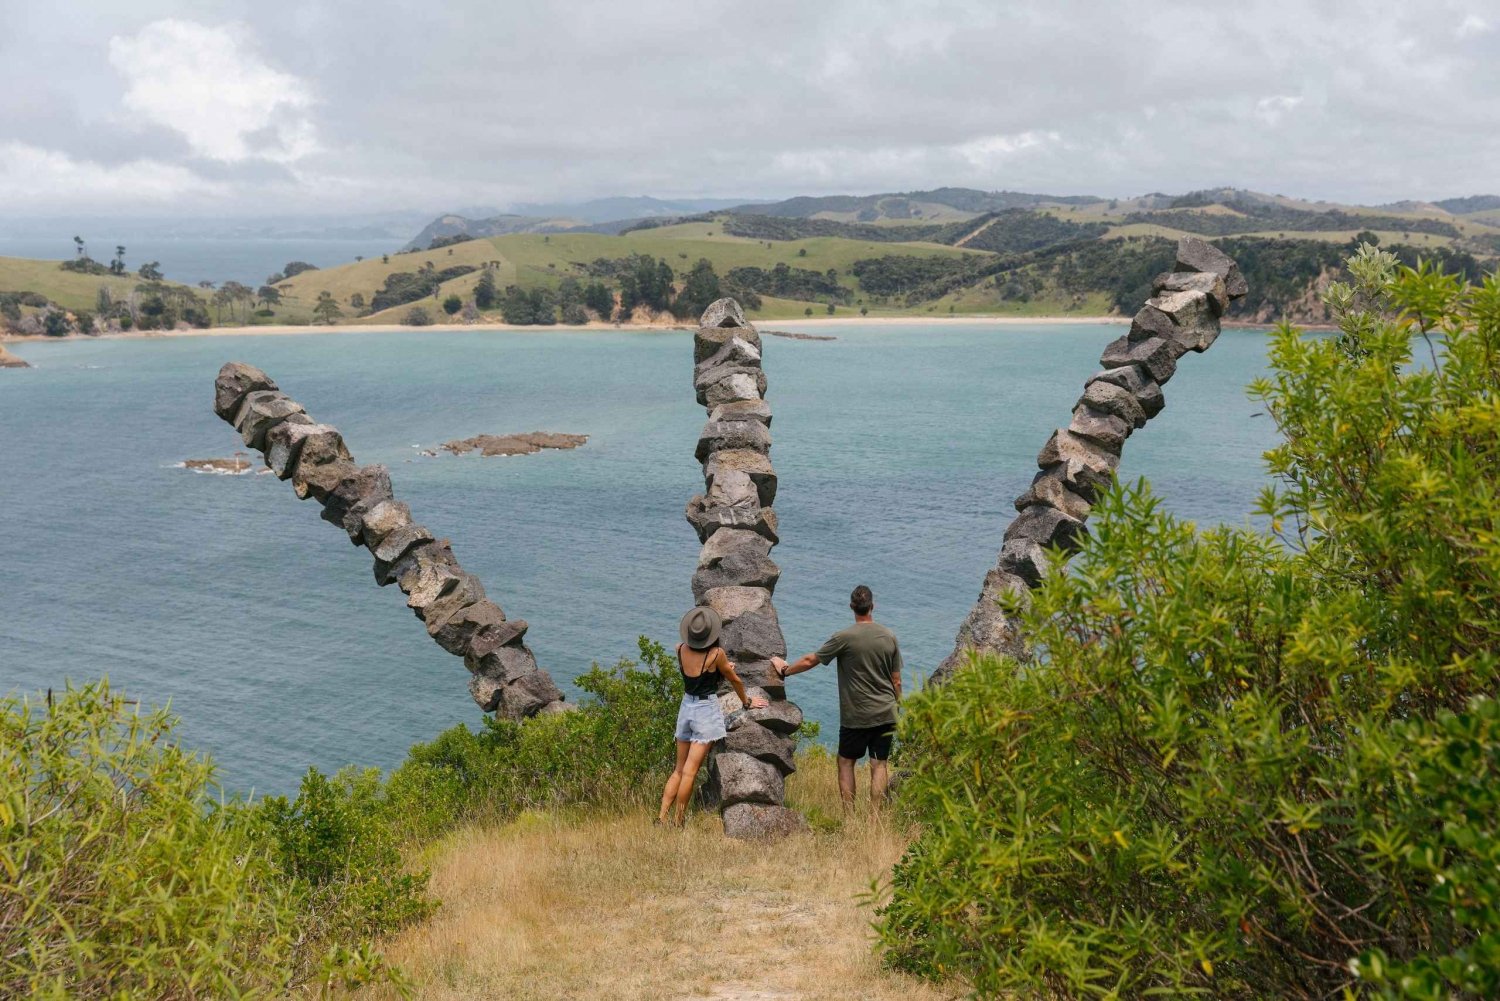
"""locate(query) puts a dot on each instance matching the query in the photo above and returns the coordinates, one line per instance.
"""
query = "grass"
(69, 289)
(608, 907)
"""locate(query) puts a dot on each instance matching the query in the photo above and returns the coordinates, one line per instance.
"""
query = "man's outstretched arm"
(804, 663)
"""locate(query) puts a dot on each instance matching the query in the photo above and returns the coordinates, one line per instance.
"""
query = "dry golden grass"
(610, 907)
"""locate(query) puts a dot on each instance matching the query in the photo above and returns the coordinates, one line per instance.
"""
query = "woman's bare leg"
(689, 771)
(669, 795)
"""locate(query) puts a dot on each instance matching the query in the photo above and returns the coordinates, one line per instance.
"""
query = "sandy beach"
(762, 325)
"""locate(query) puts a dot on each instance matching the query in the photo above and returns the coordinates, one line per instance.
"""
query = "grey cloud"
(430, 105)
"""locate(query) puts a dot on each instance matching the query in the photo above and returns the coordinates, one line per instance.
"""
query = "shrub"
(607, 752)
(117, 876)
(417, 317)
(452, 305)
(1249, 764)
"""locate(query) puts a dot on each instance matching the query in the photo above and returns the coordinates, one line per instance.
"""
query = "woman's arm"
(739, 687)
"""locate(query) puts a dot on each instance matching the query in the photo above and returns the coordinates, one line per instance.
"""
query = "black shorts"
(855, 740)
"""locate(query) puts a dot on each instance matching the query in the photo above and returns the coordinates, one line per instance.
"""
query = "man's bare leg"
(846, 782)
(879, 782)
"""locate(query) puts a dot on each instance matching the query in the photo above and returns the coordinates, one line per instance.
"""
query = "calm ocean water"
(899, 450)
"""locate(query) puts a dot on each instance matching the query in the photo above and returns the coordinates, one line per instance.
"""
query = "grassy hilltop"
(945, 252)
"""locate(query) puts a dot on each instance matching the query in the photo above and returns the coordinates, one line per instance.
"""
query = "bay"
(899, 447)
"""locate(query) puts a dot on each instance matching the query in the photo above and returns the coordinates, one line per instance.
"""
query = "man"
(869, 666)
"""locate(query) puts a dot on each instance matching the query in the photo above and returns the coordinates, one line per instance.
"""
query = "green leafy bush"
(1249, 764)
(607, 752)
(119, 875)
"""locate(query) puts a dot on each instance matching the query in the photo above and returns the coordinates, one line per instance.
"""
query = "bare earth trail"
(609, 907)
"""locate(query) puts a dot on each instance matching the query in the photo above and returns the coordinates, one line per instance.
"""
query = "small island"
(799, 337)
(514, 444)
(236, 466)
(8, 360)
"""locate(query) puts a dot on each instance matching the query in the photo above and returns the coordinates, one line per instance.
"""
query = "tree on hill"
(452, 305)
(700, 288)
(117, 266)
(269, 295)
(357, 300)
(79, 250)
(327, 308)
(484, 290)
(599, 298)
(294, 268)
(151, 271)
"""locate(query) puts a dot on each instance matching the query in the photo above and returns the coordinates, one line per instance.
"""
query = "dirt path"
(612, 908)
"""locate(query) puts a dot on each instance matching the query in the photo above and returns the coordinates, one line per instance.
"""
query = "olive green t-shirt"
(868, 655)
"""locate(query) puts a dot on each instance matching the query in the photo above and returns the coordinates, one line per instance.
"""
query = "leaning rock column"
(504, 678)
(736, 577)
(1080, 460)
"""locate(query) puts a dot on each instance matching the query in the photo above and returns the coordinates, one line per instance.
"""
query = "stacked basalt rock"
(505, 677)
(1080, 460)
(736, 576)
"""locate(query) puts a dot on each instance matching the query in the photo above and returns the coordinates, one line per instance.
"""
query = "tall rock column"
(1080, 460)
(504, 678)
(736, 577)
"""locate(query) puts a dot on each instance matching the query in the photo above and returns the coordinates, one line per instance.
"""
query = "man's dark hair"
(861, 600)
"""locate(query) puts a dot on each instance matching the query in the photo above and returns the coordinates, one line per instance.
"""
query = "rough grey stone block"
(235, 381)
(743, 779)
(761, 822)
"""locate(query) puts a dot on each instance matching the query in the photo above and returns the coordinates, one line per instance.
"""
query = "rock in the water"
(743, 779)
(8, 360)
(235, 381)
(514, 444)
(1194, 254)
(1156, 355)
(767, 745)
(761, 822)
(724, 312)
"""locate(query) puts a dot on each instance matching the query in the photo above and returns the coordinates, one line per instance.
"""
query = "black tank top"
(706, 682)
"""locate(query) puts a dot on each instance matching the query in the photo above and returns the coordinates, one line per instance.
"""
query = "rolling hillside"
(939, 252)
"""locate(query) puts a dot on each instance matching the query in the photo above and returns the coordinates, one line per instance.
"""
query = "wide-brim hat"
(700, 628)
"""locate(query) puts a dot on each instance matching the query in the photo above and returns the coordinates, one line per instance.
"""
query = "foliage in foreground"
(1243, 764)
(122, 875)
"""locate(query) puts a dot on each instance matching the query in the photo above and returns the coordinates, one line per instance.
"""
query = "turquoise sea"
(899, 449)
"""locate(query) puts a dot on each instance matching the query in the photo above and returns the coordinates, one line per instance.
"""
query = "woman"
(700, 721)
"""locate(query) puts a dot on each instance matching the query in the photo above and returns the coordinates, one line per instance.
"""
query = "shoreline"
(278, 330)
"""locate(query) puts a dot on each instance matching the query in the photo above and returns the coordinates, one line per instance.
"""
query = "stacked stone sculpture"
(505, 677)
(736, 576)
(1080, 460)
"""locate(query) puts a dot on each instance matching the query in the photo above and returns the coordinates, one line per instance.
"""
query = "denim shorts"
(700, 720)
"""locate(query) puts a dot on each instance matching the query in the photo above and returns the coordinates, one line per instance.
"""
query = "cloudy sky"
(241, 106)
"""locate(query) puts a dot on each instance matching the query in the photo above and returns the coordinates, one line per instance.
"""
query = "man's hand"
(779, 666)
